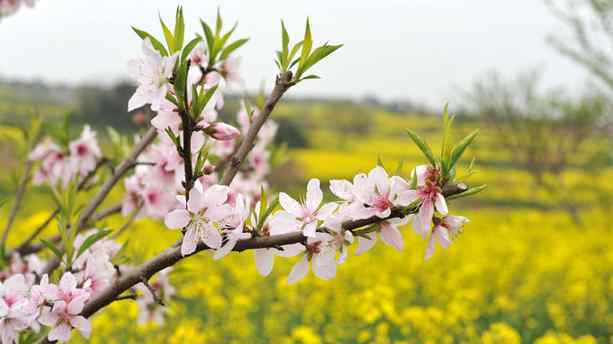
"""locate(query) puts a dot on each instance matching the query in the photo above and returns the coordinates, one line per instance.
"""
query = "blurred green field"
(522, 271)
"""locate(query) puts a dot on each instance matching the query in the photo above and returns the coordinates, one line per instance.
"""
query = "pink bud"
(222, 131)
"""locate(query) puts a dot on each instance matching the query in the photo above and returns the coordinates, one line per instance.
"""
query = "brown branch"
(282, 84)
(173, 255)
(21, 190)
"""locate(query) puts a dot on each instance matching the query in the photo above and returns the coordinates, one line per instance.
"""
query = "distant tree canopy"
(106, 106)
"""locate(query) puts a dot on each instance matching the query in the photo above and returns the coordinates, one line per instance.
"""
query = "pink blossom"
(378, 193)
(199, 56)
(230, 70)
(278, 223)
(309, 212)
(84, 152)
(167, 117)
(430, 194)
(151, 72)
(236, 223)
(203, 217)
(63, 317)
(321, 252)
(132, 198)
(444, 230)
(16, 311)
(222, 131)
(157, 200)
(389, 233)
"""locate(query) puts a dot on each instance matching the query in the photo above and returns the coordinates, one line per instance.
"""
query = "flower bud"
(222, 131)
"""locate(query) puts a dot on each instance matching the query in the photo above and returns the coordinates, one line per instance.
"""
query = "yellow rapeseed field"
(516, 274)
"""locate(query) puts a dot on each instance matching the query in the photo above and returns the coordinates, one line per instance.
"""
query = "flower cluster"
(27, 303)
(60, 165)
(211, 217)
(156, 184)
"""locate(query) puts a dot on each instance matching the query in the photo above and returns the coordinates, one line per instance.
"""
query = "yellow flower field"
(516, 274)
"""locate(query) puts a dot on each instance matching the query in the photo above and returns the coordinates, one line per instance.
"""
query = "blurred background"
(534, 265)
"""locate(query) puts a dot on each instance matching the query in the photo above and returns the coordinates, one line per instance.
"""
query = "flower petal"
(314, 195)
(365, 244)
(440, 204)
(391, 235)
(290, 205)
(178, 218)
(211, 237)
(299, 270)
(264, 261)
(190, 241)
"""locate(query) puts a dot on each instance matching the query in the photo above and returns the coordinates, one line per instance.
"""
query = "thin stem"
(282, 84)
(23, 247)
(21, 190)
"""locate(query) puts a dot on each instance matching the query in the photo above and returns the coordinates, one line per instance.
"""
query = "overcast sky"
(416, 49)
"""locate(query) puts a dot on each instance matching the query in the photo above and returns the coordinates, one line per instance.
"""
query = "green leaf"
(232, 47)
(399, 168)
(56, 251)
(312, 76)
(284, 40)
(317, 55)
(181, 83)
(423, 146)
(218, 23)
(204, 98)
(157, 45)
(92, 239)
(179, 28)
(222, 41)
(210, 39)
(189, 47)
(470, 192)
(306, 48)
(170, 39)
(293, 53)
(459, 149)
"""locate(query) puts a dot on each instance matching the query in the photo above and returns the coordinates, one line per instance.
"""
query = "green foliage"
(91, 240)
(308, 57)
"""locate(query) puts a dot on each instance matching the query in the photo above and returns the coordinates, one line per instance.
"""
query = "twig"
(23, 247)
(282, 84)
(126, 297)
(21, 190)
(33, 248)
(133, 215)
(155, 297)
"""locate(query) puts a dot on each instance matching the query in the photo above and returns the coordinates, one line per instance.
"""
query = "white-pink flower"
(84, 152)
(430, 194)
(444, 230)
(320, 251)
(167, 117)
(278, 223)
(378, 193)
(63, 317)
(203, 217)
(310, 212)
(199, 56)
(236, 224)
(16, 311)
(151, 72)
(389, 232)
